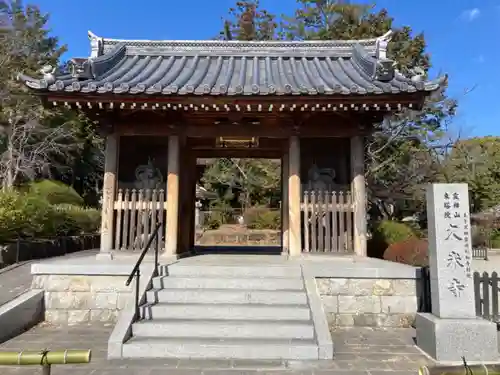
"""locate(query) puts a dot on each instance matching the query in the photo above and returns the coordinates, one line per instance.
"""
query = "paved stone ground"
(490, 265)
(14, 281)
(359, 351)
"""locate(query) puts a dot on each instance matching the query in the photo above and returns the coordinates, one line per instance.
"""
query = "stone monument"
(452, 331)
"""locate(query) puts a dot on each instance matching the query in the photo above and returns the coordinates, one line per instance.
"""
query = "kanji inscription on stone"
(452, 289)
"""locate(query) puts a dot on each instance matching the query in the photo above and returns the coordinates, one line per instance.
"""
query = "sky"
(462, 38)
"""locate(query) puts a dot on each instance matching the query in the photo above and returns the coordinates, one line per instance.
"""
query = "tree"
(245, 182)
(30, 136)
(476, 161)
(248, 181)
(404, 151)
(247, 21)
(83, 165)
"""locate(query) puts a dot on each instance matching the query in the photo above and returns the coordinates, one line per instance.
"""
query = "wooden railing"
(486, 289)
(137, 213)
(327, 221)
(486, 296)
(480, 253)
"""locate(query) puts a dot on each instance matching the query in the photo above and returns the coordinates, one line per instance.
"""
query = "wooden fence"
(480, 253)
(21, 250)
(137, 212)
(486, 295)
(425, 300)
(327, 221)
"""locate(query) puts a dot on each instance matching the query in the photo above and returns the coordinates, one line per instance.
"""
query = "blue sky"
(462, 37)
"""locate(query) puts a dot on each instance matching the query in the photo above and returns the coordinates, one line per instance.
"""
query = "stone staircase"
(213, 311)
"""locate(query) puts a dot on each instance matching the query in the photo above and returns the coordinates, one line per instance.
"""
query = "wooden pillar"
(284, 203)
(192, 204)
(188, 193)
(171, 232)
(358, 194)
(108, 196)
(294, 224)
(184, 197)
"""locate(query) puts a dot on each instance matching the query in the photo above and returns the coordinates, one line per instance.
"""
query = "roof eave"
(33, 83)
(436, 84)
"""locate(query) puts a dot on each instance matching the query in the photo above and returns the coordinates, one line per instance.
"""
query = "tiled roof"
(233, 68)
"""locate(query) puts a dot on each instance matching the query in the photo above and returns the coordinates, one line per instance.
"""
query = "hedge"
(24, 214)
(262, 218)
(23, 250)
(386, 233)
(55, 192)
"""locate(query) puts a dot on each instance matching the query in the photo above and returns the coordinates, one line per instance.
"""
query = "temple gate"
(162, 104)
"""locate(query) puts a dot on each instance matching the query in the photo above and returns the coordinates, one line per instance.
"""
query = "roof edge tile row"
(233, 68)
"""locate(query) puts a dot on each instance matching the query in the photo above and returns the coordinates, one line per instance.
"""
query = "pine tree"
(405, 150)
(33, 139)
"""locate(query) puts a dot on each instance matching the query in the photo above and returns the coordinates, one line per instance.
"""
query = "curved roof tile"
(234, 68)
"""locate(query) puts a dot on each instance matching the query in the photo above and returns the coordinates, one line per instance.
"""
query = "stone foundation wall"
(369, 302)
(247, 238)
(71, 299)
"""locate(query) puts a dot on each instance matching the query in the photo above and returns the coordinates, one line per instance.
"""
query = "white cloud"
(470, 15)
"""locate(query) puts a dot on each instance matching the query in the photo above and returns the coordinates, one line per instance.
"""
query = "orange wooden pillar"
(294, 224)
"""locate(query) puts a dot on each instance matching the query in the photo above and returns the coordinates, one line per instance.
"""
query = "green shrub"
(386, 233)
(79, 220)
(495, 239)
(55, 192)
(40, 215)
(480, 236)
(26, 215)
(12, 217)
(213, 220)
(262, 218)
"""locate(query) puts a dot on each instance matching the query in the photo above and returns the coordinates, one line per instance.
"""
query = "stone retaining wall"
(244, 238)
(369, 302)
(72, 299)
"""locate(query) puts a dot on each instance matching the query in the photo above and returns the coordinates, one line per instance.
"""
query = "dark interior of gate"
(326, 201)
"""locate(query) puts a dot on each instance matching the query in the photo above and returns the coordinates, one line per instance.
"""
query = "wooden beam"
(195, 100)
(239, 153)
(244, 130)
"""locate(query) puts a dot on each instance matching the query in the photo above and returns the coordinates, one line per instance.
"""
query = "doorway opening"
(239, 201)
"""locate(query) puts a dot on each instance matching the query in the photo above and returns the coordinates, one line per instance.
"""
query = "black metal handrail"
(136, 272)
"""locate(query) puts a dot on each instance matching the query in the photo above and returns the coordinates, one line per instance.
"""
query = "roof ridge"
(374, 40)
(98, 43)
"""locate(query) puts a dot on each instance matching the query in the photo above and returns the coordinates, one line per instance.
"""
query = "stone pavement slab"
(360, 351)
(14, 281)
(377, 349)
(490, 265)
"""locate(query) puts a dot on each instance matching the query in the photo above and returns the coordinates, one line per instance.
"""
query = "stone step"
(173, 282)
(227, 311)
(213, 296)
(159, 347)
(221, 328)
(233, 271)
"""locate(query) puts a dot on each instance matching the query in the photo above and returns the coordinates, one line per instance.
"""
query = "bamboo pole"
(493, 369)
(44, 358)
